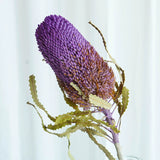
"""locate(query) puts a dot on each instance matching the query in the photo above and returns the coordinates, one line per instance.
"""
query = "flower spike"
(74, 61)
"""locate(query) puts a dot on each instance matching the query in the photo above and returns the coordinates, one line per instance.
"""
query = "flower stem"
(115, 136)
(118, 149)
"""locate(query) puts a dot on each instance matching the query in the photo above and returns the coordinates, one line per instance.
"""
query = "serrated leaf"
(119, 87)
(63, 118)
(97, 101)
(44, 127)
(125, 98)
(118, 92)
(69, 130)
(68, 100)
(68, 118)
(106, 152)
(113, 127)
(33, 89)
(125, 94)
(97, 133)
(58, 126)
(70, 103)
(100, 131)
(93, 131)
(119, 108)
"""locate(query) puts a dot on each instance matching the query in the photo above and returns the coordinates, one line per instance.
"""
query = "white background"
(132, 32)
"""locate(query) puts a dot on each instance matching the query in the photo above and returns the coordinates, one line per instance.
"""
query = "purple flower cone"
(73, 59)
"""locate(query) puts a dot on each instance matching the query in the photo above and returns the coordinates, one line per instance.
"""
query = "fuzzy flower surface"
(79, 69)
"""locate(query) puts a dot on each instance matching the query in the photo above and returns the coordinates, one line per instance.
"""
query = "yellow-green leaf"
(125, 98)
(68, 100)
(33, 89)
(63, 118)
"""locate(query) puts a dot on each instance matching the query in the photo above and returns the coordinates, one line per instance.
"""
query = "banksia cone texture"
(73, 59)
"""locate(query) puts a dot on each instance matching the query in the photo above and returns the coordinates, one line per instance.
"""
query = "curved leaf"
(125, 98)
(107, 153)
(33, 89)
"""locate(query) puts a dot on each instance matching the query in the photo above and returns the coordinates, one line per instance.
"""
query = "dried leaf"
(76, 88)
(93, 131)
(68, 118)
(33, 89)
(68, 100)
(97, 101)
(113, 127)
(104, 42)
(125, 98)
(107, 153)
(63, 118)
(69, 130)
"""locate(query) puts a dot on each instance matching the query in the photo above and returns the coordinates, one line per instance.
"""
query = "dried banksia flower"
(86, 80)
(79, 69)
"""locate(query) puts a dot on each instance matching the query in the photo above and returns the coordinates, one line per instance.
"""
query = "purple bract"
(73, 59)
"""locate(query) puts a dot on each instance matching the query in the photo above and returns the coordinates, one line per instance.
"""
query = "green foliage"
(69, 102)
(79, 120)
(33, 89)
(69, 130)
(76, 120)
(125, 98)
(63, 118)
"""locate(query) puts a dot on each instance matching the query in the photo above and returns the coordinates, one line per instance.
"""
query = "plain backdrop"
(132, 32)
